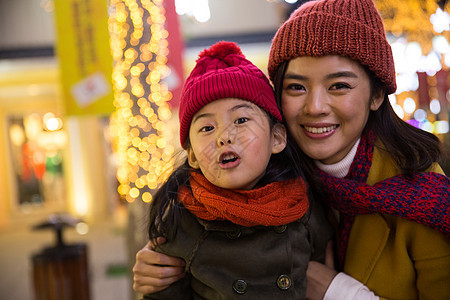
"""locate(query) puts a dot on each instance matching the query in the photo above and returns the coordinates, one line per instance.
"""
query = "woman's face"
(326, 102)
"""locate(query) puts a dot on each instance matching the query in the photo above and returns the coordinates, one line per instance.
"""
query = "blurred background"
(89, 94)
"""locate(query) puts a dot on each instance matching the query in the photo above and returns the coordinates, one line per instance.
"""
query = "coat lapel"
(376, 231)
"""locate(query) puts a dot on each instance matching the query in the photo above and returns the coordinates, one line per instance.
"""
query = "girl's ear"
(377, 99)
(279, 138)
(192, 160)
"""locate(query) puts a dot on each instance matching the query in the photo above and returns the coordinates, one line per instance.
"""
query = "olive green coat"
(227, 261)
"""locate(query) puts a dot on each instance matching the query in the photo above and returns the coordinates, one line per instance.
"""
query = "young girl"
(333, 69)
(237, 211)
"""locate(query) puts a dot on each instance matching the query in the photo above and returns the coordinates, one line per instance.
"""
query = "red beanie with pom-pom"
(222, 71)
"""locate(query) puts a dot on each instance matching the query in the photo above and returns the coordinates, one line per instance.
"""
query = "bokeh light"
(139, 49)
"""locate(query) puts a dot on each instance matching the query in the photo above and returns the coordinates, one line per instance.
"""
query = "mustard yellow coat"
(396, 258)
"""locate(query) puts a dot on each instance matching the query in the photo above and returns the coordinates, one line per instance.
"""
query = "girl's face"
(231, 142)
(326, 102)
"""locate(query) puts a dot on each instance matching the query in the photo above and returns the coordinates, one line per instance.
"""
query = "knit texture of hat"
(351, 28)
(222, 71)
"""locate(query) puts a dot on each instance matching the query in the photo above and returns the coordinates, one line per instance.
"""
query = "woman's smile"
(317, 131)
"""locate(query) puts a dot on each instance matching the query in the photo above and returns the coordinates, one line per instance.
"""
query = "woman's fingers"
(155, 271)
(329, 255)
(319, 276)
(147, 256)
(162, 277)
(153, 243)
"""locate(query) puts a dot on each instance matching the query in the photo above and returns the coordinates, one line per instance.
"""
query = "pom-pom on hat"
(222, 71)
(351, 28)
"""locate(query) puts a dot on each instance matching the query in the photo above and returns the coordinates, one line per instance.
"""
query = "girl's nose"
(224, 139)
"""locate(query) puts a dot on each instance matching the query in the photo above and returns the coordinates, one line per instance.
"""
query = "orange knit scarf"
(274, 204)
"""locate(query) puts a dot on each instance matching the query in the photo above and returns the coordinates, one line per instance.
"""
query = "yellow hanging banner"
(84, 55)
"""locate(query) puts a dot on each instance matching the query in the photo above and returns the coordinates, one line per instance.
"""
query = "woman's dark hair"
(412, 149)
(165, 209)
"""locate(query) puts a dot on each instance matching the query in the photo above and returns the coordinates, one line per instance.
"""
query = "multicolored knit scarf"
(275, 204)
(423, 197)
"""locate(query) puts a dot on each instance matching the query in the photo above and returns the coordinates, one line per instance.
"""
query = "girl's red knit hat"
(222, 71)
(351, 28)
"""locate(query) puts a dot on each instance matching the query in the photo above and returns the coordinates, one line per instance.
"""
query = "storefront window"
(36, 144)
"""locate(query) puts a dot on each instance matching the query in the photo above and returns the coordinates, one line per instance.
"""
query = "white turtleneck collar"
(341, 168)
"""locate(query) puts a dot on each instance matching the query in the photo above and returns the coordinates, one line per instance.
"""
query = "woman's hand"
(319, 276)
(155, 271)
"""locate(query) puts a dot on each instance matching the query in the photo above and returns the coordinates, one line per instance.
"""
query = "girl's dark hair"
(165, 209)
(412, 149)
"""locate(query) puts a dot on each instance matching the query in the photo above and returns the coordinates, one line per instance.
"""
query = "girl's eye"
(241, 120)
(206, 128)
(339, 86)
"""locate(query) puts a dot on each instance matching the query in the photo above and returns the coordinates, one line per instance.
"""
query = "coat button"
(232, 235)
(284, 282)
(280, 228)
(240, 286)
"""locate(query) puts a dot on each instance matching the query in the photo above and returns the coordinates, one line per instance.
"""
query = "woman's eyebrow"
(294, 76)
(328, 76)
(342, 74)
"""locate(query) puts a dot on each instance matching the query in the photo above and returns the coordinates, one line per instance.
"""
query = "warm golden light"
(16, 135)
(411, 18)
(140, 53)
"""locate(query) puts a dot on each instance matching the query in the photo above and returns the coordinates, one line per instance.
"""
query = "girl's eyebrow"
(234, 108)
(239, 106)
(205, 115)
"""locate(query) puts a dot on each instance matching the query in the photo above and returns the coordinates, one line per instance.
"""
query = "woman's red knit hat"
(351, 28)
(222, 71)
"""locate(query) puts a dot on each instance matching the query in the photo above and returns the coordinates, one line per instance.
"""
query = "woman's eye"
(206, 128)
(295, 87)
(339, 86)
(241, 120)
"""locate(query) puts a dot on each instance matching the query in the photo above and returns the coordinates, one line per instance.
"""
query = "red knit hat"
(222, 71)
(351, 28)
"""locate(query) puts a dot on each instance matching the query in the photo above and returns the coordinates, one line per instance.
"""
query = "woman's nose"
(316, 103)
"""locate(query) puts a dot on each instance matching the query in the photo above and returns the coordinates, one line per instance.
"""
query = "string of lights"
(139, 50)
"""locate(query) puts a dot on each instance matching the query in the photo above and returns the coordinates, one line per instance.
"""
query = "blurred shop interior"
(89, 109)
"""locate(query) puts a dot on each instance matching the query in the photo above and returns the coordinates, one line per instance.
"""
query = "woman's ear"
(192, 159)
(377, 99)
(279, 138)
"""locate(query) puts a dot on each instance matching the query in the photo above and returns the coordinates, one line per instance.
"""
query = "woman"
(332, 68)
